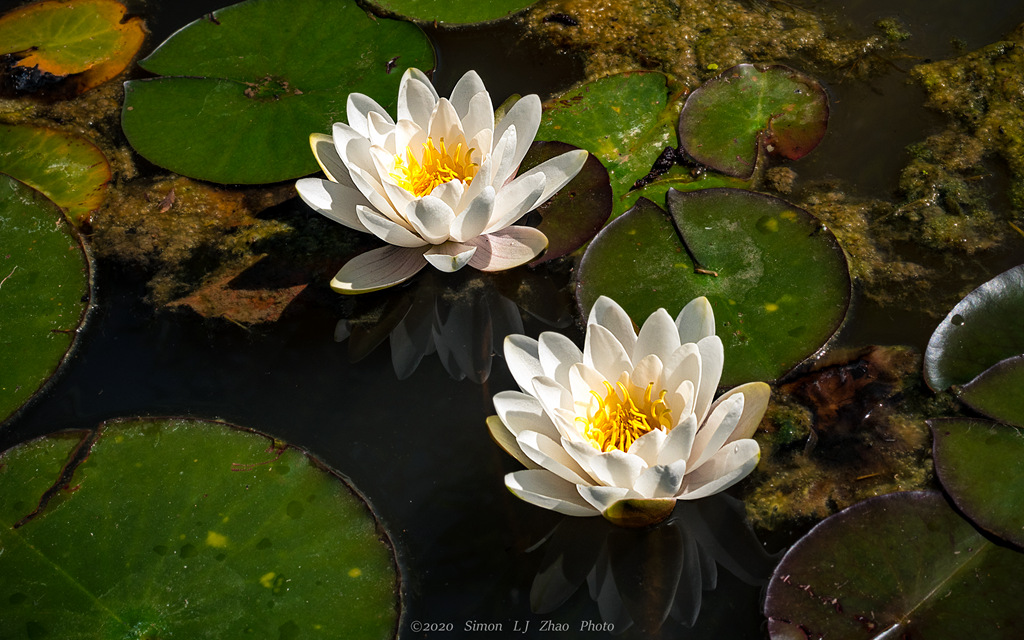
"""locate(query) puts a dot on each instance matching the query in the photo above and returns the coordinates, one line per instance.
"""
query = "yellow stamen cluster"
(437, 166)
(616, 421)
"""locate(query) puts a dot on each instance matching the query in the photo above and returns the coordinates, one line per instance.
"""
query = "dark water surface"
(418, 447)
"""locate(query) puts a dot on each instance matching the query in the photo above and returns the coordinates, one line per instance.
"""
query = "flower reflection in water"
(640, 578)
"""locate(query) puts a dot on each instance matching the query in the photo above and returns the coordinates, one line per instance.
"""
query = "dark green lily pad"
(782, 285)
(724, 121)
(44, 292)
(626, 120)
(680, 179)
(981, 330)
(181, 528)
(578, 211)
(902, 565)
(66, 168)
(999, 391)
(245, 86)
(981, 466)
(452, 11)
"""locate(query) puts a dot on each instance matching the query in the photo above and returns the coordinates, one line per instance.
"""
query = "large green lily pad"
(724, 121)
(776, 278)
(981, 466)
(626, 120)
(998, 392)
(981, 330)
(44, 292)
(453, 11)
(903, 565)
(244, 87)
(181, 528)
(680, 179)
(65, 167)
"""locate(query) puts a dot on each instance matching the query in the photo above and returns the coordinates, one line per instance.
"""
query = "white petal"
(522, 359)
(445, 125)
(515, 200)
(479, 118)
(471, 221)
(378, 269)
(647, 372)
(387, 230)
(679, 443)
(353, 148)
(409, 136)
(551, 394)
(549, 455)
(327, 157)
(333, 200)
(647, 446)
(507, 248)
(557, 355)
(524, 115)
(712, 357)
(607, 313)
(503, 156)
(727, 467)
(468, 87)
(359, 107)
(545, 489)
(696, 320)
(755, 402)
(416, 97)
(522, 412)
(613, 468)
(382, 132)
(449, 193)
(449, 257)
(603, 352)
(480, 183)
(584, 379)
(507, 441)
(558, 171)
(658, 335)
(661, 481)
(713, 434)
(601, 498)
(683, 364)
(431, 218)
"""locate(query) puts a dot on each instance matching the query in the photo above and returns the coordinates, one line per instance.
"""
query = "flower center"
(438, 166)
(615, 421)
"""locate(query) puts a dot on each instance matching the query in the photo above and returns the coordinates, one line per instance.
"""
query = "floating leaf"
(251, 82)
(981, 466)
(452, 11)
(724, 120)
(981, 330)
(902, 565)
(997, 392)
(44, 292)
(66, 168)
(578, 211)
(69, 37)
(679, 179)
(782, 285)
(626, 120)
(182, 528)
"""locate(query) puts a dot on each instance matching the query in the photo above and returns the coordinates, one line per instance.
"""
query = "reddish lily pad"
(903, 565)
(66, 168)
(724, 121)
(981, 466)
(87, 38)
(982, 329)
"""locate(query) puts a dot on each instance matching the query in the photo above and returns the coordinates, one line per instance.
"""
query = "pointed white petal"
(603, 352)
(507, 248)
(658, 335)
(607, 313)
(471, 221)
(327, 157)
(431, 218)
(545, 489)
(522, 412)
(727, 467)
(478, 118)
(661, 481)
(549, 455)
(524, 115)
(522, 359)
(449, 193)
(615, 468)
(683, 364)
(551, 394)
(359, 107)
(679, 443)
(504, 158)
(558, 171)
(416, 97)
(378, 269)
(712, 358)
(409, 137)
(696, 320)
(445, 125)
(602, 498)
(647, 372)
(648, 446)
(382, 132)
(584, 380)
(755, 402)
(387, 230)
(507, 441)
(468, 86)
(557, 355)
(481, 182)
(449, 257)
(515, 200)
(333, 200)
(712, 435)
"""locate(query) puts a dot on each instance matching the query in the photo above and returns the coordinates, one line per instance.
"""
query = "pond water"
(416, 444)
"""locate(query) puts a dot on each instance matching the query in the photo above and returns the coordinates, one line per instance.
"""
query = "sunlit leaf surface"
(453, 11)
(181, 528)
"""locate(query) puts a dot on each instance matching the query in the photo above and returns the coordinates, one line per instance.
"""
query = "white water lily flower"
(438, 186)
(628, 425)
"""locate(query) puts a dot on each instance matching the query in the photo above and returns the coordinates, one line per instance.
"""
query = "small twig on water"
(8, 276)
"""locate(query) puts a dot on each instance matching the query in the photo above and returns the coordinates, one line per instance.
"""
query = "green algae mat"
(186, 529)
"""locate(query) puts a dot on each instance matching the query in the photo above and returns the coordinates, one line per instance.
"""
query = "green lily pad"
(452, 11)
(244, 87)
(981, 466)
(981, 330)
(626, 120)
(44, 292)
(902, 565)
(998, 392)
(182, 528)
(68, 37)
(724, 121)
(680, 179)
(578, 211)
(66, 168)
(776, 278)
